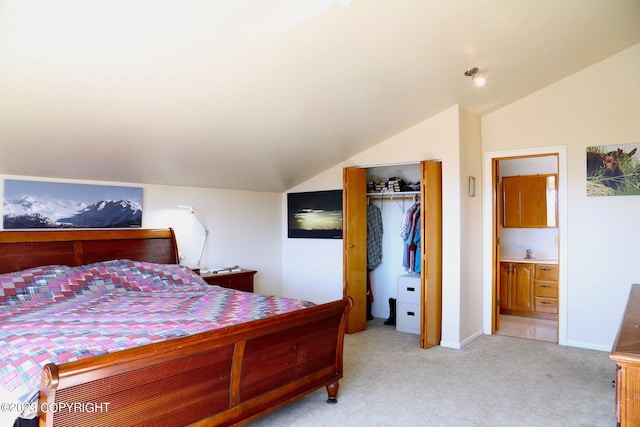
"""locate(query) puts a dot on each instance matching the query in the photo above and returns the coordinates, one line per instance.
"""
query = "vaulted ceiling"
(264, 94)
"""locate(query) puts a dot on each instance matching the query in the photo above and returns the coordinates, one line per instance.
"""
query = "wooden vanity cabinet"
(546, 289)
(516, 288)
(529, 201)
(529, 289)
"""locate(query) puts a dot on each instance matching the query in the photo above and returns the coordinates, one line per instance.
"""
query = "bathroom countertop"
(532, 261)
(520, 257)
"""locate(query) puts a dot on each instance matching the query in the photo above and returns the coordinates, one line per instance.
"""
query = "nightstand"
(241, 280)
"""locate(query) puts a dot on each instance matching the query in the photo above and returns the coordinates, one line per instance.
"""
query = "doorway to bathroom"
(525, 287)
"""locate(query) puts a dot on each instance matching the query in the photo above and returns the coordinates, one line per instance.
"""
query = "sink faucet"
(529, 254)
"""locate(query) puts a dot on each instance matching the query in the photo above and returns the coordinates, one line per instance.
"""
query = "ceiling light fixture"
(473, 73)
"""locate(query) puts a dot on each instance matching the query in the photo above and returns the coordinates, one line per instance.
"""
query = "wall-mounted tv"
(315, 214)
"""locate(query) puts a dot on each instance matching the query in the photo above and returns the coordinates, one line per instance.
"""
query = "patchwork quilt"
(59, 314)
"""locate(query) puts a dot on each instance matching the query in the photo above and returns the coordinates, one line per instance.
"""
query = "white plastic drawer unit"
(408, 304)
(409, 289)
(408, 318)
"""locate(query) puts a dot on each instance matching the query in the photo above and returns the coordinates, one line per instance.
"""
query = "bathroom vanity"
(529, 287)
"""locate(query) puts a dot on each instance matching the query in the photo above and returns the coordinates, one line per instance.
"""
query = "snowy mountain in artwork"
(107, 213)
(46, 207)
(26, 212)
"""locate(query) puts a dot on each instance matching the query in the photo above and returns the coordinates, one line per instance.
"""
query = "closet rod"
(394, 195)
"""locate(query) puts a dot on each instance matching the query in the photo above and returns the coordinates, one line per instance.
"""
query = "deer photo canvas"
(613, 170)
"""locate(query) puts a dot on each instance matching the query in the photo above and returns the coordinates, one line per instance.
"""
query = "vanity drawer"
(546, 305)
(546, 271)
(546, 289)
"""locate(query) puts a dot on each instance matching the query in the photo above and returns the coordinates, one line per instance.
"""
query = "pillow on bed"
(142, 276)
(49, 282)
(55, 282)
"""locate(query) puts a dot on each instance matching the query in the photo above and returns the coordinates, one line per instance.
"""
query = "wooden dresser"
(626, 354)
(241, 280)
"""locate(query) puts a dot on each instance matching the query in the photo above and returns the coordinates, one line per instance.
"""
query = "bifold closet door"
(431, 248)
(354, 240)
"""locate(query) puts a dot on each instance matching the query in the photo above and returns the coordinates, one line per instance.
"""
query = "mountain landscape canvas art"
(41, 204)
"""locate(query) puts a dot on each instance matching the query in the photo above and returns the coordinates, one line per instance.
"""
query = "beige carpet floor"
(493, 381)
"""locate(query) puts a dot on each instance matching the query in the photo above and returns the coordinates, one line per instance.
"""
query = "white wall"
(470, 228)
(314, 268)
(244, 226)
(597, 106)
(309, 265)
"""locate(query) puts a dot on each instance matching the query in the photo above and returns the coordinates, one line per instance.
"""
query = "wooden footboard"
(223, 377)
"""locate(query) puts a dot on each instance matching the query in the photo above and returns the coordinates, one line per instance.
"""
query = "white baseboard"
(460, 345)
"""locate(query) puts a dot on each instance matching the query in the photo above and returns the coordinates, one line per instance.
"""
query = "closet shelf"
(394, 194)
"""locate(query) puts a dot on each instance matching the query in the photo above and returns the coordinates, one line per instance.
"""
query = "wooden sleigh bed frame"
(223, 377)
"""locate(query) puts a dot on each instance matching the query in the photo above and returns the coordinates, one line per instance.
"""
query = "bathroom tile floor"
(528, 327)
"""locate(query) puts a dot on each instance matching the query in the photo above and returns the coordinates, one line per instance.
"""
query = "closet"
(393, 206)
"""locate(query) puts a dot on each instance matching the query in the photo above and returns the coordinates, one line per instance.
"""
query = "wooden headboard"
(26, 249)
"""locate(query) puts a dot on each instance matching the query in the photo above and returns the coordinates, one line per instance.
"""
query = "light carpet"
(495, 380)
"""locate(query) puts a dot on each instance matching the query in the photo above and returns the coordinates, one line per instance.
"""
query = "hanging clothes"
(410, 233)
(374, 237)
(374, 249)
(416, 243)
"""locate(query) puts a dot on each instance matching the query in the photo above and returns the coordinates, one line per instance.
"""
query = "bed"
(225, 376)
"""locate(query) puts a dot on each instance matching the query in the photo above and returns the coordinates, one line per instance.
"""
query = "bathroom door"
(497, 212)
